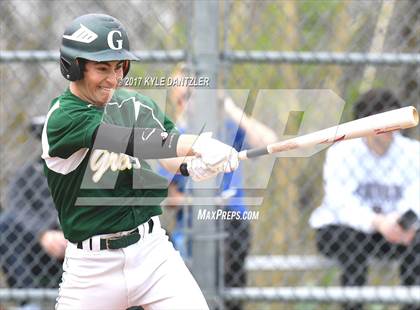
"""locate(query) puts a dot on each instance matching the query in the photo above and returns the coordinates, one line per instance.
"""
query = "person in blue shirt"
(242, 132)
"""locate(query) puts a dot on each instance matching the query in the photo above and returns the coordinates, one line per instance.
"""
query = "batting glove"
(216, 155)
(198, 170)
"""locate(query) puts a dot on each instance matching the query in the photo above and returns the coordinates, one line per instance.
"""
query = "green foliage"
(311, 29)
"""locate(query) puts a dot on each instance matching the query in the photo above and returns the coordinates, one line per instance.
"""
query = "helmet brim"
(107, 55)
(111, 55)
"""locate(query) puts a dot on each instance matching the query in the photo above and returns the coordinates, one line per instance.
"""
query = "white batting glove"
(232, 162)
(216, 155)
(198, 170)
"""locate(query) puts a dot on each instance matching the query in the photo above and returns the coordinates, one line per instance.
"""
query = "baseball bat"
(372, 125)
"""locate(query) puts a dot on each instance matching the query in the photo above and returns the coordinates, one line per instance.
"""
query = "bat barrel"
(415, 120)
(388, 121)
(372, 125)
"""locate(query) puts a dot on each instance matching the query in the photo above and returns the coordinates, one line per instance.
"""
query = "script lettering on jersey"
(102, 160)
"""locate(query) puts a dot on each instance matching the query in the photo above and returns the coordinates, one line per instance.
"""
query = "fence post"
(204, 60)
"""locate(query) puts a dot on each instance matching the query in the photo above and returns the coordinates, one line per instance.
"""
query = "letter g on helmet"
(95, 37)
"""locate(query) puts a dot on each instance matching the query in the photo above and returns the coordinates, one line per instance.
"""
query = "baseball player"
(95, 141)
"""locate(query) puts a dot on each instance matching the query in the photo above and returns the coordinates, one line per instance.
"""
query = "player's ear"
(72, 70)
(126, 67)
(82, 64)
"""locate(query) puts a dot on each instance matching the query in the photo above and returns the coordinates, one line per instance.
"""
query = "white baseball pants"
(149, 273)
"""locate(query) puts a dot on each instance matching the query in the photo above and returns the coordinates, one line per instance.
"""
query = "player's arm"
(172, 164)
(210, 155)
(145, 143)
(410, 166)
(389, 225)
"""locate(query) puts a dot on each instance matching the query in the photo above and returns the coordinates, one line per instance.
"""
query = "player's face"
(100, 79)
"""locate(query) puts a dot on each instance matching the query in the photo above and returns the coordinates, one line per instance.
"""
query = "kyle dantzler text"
(154, 81)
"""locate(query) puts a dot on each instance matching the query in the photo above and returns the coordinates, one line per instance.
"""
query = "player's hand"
(388, 226)
(54, 243)
(215, 155)
(199, 170)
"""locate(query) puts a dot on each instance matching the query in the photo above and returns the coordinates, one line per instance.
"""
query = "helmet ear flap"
(72, 70)
(126, 67)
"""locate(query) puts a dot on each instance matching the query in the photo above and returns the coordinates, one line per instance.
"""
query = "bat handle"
(242, 155)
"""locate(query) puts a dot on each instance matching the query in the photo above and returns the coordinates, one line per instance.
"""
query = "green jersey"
(97, 191)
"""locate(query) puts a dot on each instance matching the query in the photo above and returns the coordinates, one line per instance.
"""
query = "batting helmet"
(375, 101)
(96, 37)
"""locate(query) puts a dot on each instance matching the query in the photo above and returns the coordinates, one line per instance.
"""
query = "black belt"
(114, 243)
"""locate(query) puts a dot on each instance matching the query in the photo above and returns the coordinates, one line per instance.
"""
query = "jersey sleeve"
(169, 125)
(410, 168)
(69, 132)
(156, 117)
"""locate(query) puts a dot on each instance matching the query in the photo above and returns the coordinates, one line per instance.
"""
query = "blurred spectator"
(237, 126)
(31, 244)
(369, 184)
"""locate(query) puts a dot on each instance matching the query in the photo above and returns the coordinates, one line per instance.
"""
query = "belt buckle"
(108, 239)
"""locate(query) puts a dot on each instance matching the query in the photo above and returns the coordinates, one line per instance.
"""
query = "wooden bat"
(372, 125)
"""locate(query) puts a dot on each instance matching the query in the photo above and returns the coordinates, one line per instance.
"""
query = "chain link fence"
(284, 259)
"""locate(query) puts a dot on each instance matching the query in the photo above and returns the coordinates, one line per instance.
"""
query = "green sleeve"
(69, 132)
(168, 124)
